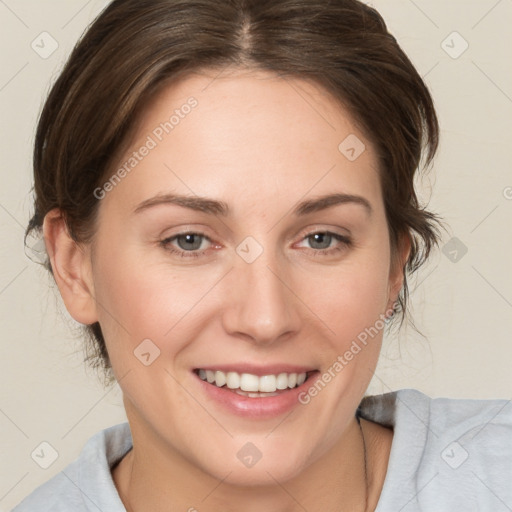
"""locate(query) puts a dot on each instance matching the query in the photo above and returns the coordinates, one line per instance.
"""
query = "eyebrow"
(215, 207)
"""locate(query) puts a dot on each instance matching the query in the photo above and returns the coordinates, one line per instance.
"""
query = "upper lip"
(273, 369)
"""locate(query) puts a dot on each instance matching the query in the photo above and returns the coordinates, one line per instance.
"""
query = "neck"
(155, 477)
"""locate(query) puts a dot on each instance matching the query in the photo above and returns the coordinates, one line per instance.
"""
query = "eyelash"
(345, 243)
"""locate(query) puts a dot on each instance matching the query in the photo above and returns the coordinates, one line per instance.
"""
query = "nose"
(261, 305)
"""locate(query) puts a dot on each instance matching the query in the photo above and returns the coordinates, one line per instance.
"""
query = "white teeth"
(220, 379)
(249, 382)
(267, 383)
(252, 385)
(233, 380)
(282, 381)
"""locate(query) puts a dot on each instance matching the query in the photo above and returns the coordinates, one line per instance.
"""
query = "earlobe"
(71, 267)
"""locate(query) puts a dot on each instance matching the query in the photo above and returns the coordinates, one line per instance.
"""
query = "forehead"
(240, 101)
(216, 132)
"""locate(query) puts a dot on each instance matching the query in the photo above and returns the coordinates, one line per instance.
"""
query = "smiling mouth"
(254, 386)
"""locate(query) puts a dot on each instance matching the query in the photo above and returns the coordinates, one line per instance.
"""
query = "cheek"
(352, 297)
(140, 300)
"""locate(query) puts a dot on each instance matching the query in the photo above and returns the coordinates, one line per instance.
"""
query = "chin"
(261, 474)
(257, 467)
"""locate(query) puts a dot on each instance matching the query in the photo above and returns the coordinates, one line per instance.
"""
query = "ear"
(397, 270)
(71, 267)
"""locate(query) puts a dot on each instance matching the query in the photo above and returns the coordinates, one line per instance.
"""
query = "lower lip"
(260, 407)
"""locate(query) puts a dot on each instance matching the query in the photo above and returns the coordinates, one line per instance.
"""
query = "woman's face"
(216, 252)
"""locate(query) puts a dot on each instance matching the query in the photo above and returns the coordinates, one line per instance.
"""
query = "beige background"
(464, 308)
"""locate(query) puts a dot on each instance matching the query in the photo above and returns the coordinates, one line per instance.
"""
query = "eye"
(326, 242)
(186, 244)
(193, 244)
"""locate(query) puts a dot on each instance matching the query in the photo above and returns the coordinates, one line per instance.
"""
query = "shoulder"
(55, 495)
(481, 428)
(453, 452)
(441, 418)
(86, 483)
(460, 431)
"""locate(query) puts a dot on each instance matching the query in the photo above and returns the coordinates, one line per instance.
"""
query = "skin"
(260, 144)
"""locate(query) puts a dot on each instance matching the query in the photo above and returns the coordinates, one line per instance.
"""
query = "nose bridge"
(261, 305)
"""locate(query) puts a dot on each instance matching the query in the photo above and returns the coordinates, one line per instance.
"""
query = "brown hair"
(135, 47)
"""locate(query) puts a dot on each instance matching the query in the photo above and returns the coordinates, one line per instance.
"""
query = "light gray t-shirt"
(447, 455)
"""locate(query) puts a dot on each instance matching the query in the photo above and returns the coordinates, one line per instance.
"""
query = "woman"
(226, 195)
